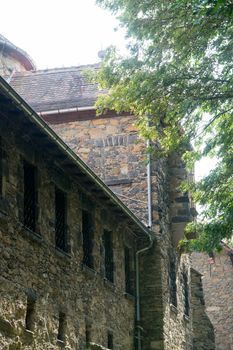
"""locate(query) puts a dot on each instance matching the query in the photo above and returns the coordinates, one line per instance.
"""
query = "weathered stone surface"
(218, 294)
(31, 264)
(162, 328)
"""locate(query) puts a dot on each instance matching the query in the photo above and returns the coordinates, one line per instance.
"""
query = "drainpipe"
(149, 205)
(138, 311)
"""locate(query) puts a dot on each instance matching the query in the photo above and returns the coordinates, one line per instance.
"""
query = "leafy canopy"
(179, 71)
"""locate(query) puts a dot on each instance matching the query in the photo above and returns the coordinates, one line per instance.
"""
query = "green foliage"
(179, 71)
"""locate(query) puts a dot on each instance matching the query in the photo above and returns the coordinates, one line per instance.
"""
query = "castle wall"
(112, 148)
(217, 287)
(57, 281)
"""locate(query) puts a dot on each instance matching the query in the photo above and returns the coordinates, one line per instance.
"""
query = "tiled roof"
(14, 51)
(54, 89)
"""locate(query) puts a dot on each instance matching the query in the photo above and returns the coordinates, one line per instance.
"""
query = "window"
(60, 220)
(1, 167)
(128, 271)
(108, 256)
(30, 196)
(87, 238)
(172, 284)
(185, 292)
(110, 340)
(30, 313)
(88, 334)
(61, 327)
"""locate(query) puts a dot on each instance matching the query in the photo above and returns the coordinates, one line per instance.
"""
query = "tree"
(179, 71)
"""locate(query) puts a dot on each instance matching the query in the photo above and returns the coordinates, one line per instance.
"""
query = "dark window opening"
(61, 327)
(60, 220)
(30, 314)
(108, 256)
(128, 271)
(186, 293)
(87, 239)
(1, 167)
(110, 340)
(30, 197)
(88, 334)
(172, 284)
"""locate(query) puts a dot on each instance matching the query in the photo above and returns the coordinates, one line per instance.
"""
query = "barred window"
(1, 167)
(108, 256)
(30, 313)
(30, 196)
(87, 238)
(61, 327)
(128, 271)
(88, 334)
(60, 220)
(172, 284)
(185, 293)
(110, 340)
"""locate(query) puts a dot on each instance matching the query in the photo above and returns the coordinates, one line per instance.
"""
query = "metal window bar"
(1, 167)
(128, 271)
(186, 293)
(110, 340)
(108, 256)
(30, 196)
(30, 314)
(87, 239)
(172, 284)
(61, 327)
(60, 220)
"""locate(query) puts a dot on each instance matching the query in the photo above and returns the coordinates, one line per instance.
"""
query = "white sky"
(58, 33)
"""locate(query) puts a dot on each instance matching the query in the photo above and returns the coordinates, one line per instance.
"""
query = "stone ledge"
(93, 346)
(174, 309)
(109, 284)
(186, 318)
(88, 270)
(61, 253)
(129, 296)
(31, 234)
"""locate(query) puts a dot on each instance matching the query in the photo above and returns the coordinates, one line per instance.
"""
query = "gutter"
(67, 110)
(73, 156)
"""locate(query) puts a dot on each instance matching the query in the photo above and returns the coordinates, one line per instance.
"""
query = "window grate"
(128, 271)
(87, 239)
(30, 196)
(30, 314)
(108, 256)
(60, 220)
(110, 340)
(1, 167)
(61, 327)
(172, 284)
(186, 292)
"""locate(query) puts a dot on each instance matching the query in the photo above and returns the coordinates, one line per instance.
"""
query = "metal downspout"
(149, 201)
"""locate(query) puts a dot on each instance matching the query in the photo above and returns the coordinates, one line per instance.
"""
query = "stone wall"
(203, 332)
(112, 148)
(218, 293)
(55, 282)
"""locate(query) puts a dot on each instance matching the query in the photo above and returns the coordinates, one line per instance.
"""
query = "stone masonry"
(217, 279)
(111, 146)
(56, 282)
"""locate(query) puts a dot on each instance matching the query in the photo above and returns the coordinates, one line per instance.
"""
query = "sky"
(57, 33)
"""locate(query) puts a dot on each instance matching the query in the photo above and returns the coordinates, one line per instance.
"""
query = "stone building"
(217, 272)
(171, 314)
(67, 243)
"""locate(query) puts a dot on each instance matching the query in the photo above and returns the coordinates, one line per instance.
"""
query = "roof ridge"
(57, 69)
